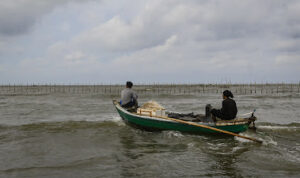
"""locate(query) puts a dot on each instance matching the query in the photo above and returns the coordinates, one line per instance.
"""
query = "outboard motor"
(252, 120)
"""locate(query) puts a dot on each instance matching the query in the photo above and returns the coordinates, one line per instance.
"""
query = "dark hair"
(228, 93)
(129, 84)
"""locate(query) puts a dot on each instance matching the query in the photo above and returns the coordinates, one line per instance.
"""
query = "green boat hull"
(153, 123)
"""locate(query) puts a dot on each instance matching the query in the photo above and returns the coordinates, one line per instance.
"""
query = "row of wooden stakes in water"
(150, 89)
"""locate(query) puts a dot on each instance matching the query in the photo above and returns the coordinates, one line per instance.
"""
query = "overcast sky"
(147, 41)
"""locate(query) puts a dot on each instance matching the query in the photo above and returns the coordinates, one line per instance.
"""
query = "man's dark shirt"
(229, 109)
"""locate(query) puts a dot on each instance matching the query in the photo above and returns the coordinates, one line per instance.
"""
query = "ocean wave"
(24, 94)
(275, 95)
(66, 125)
(243, 140)
(277, 127)
(266, 140)
(269, 127)
(172, 134)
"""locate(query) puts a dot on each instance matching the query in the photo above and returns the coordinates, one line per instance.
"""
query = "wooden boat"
(166, 123)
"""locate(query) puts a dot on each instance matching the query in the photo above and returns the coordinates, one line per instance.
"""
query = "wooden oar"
(212, 128)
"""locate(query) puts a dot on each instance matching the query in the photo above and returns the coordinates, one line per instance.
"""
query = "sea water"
(75, 135)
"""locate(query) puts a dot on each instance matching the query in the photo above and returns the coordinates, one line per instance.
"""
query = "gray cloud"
(17, 17)
(250, 40)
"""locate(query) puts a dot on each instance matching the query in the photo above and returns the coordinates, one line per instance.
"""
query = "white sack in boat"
(152, 105)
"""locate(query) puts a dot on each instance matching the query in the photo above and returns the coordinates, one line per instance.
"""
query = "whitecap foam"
(118, 120)
(171, 134)
(270, 142)
(191, 145)
(243, 140)
(266, 140)
(237, 148)
(270, 127)
(108, 118)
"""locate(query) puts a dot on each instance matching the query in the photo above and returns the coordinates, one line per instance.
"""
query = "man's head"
(129, 84)
(227, 94)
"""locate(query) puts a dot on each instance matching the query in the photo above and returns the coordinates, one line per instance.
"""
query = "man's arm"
(134, 95)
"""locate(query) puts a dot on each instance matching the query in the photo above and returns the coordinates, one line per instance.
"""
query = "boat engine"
(251, 121)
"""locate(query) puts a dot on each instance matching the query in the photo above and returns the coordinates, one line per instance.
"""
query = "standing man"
(128, 96)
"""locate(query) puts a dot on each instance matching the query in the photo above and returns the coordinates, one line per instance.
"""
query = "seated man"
(128, 96)
(228, 110)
